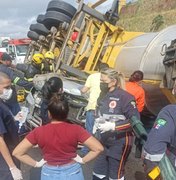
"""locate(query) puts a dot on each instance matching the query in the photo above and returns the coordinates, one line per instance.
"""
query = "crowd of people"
(108, 134)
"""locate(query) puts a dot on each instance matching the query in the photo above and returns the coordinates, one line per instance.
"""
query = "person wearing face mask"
(17, 78)
(9, 166)
(115, 109)
(92, 86)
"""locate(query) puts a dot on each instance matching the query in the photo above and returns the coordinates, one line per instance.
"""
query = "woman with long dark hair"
(53, 85)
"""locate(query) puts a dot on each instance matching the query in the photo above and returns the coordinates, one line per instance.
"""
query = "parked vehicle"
(18, 48)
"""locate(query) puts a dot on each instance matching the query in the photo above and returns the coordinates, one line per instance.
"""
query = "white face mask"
(7, 94)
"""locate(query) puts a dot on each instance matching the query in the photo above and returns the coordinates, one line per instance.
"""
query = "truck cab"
(18, 48)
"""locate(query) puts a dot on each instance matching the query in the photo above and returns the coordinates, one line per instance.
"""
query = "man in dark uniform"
(30, 70)
(16, 77)
(161, 139)
(8, 134)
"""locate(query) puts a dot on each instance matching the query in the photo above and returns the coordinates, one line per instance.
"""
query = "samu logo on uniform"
(112, 106)
(159, 123)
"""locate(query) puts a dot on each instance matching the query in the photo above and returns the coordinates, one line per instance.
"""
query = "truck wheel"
(61, 6)
(33, 35)
(40, 18)
(54, 18)
(39, 28)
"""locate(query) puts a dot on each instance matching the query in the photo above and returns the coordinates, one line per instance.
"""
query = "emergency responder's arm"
(158, 139)
(24, 83)
(18, 79)
(22, 67)
(27, 85)
(156, 144)
(123, 125)
(16, 173)
(131, 112)
(120, 126)
(5, 152)
(129, 108)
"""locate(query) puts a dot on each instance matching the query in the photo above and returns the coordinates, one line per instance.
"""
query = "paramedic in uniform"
(117, 107)
(17, 78)
(161, 139)
(8, 134)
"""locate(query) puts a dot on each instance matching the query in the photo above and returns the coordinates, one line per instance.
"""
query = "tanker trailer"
(146, 53)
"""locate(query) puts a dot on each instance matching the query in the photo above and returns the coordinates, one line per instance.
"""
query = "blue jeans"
(67, 172)
(90, 119)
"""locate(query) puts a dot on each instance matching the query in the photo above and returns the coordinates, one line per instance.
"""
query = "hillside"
(148, 15)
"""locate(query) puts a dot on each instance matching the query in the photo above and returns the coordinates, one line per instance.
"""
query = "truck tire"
(61, 6)
(40, 18)
(33, 35)
(39, 28)
(54, 18)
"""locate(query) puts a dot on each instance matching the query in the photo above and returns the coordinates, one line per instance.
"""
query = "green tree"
(157, 22)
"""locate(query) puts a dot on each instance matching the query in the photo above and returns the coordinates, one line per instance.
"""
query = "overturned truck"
(82, 37)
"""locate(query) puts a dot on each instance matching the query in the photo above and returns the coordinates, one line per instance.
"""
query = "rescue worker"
(92, 86)
(16, 77)
(30, 70)
(134, 88)
(161, 139)
(48, 63)
(9, 167)
(116, 109)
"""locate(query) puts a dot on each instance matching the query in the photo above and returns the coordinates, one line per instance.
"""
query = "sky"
(16, 17)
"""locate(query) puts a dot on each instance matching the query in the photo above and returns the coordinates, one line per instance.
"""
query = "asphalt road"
(134, 169)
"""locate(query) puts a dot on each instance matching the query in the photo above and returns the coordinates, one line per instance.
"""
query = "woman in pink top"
(58, 141)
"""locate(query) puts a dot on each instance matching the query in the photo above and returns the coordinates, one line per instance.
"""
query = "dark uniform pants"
(5, 173)
(111, 162)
